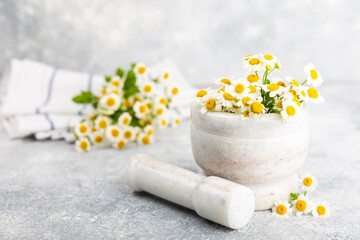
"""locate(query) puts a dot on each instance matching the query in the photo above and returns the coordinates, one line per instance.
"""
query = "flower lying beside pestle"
(131, 106)
(255, 93)
(300, 203)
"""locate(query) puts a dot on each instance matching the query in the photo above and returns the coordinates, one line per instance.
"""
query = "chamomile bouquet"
(129, 108)
(256, 93)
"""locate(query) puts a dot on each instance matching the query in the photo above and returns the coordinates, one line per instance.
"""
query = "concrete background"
(206, 39)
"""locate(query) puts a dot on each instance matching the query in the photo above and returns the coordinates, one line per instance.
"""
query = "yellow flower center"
(248, 55)
(147, 88)
(221, 90)
(321, 210)
(246, 114)
(115, 132)
(93, 129)
(273, 87)
(175, 91)
(295, 83)
(228, 96)
(110, 102)
(102, 124)
(150, 132)
(142, 109)
(268, 57)
(84, 145)
(297, 101)
(166, 75)
(149, 105)
(239, 88)
(303, 93)
(245, 101)
(290, 110)
(126, 120)
(252, 78)
(103, 91)
(121, 144)
(281, 84)
(141, 70)
(210, 104)
(293, 92)
(128, 134)
(83, 129)
(313, 93)
(115, 83)
(279, 104)
(159, 111)
(145, 140)
(177, 121)
(226, 81)
(313, 74)
(163, 101)
(252, 88)
(281, 209)
(307, 181)
(201, 93)
(257, 107)
(254, 61)
(127, 103)
(116, 92)
(301, 205)
(163, 122)
(137, 99)
(98, 139)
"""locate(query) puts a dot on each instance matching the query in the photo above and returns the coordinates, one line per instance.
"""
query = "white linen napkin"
(36, 98)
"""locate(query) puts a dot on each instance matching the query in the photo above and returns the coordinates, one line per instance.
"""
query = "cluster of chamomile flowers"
(255, 93)
(130, 108)
(300, 203)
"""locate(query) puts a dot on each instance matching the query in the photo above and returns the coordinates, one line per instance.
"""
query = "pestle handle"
(216, 199)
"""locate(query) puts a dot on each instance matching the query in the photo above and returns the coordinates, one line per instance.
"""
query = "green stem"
(305, 193)
(304, 82)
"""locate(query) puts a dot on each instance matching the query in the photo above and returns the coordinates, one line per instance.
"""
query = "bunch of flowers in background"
(256, 94)
(300, 203)
(130, 107)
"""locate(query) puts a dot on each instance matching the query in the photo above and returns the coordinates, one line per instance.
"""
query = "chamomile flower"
(102, 122)
(274, 89)
(164, 76)
(175, 120)
(222, 82)
(113, 133)
(109, 103)
(144, 139)
(125, 119)
(161, 100)
(159, 109)
(321, 210)
(171, 90)
(308, 182)
(314, 96)
(83, 145)
(302, 205)
(141, 110)
(252, 78)
(147, 88)
(82, 129)
(245, 114)
(313, 76)
(281, 209)
(140, 69)
(116, 82)
(269, 61)
(129, 134)
(290, 109)
(98, 138)
(239, 88)
(256, 108)
(226, 99)
(119, 143)
(209, 102)
(149, 130)
(253, 63)
(162, 122)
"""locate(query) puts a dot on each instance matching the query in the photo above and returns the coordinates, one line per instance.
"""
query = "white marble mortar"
(263, 154)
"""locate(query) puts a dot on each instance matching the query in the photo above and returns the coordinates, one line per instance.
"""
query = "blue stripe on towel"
(89, 89)
(50, 121)
(49, 91)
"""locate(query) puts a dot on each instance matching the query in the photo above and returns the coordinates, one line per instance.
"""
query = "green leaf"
(84, 97)
(115, 116)
(120, 72)
(294, 196)
(107, 79)
(133, 65)
(130, 87)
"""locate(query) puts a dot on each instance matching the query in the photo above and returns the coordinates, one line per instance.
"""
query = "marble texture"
(204, 40)
(213, 198)
(49, 191)
(256, 153)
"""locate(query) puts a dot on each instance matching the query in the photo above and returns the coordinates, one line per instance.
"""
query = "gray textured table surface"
(49, 191)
